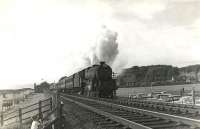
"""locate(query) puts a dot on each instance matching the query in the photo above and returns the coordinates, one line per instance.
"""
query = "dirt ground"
(77, 118)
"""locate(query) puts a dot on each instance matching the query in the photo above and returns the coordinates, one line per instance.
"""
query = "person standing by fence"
(35, 124)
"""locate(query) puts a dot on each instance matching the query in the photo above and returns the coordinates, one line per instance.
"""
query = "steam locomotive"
(95, 81)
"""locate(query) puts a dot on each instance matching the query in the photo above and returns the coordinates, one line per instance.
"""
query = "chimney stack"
(102, 63)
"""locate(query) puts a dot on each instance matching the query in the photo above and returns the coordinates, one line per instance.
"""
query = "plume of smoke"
(105, 49)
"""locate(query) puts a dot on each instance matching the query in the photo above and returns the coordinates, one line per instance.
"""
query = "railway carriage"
(69, 84)
(62, 83)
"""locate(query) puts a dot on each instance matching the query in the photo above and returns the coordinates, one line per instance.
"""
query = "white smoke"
(105, 49)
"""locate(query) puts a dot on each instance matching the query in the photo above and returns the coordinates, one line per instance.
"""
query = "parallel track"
(183, 110)
(128, 117)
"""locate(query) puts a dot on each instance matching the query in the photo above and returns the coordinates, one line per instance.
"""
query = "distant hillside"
(158, 75)
(190, 73)
(30, 85)
(19, 86)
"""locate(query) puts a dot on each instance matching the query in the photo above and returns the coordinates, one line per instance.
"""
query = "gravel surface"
(78, 118)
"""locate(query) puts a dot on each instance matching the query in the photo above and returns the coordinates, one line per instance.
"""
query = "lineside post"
(1, 118)
(51, 104)
(61, 116)
(20, 118)
(40, 109)
(61, 108)
(193, 95)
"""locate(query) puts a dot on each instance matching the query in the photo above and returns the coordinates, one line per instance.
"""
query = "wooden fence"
(23, 115)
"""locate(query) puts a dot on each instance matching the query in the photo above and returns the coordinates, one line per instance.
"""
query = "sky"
(43, 40)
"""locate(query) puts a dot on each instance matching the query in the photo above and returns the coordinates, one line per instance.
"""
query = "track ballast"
(120, 116)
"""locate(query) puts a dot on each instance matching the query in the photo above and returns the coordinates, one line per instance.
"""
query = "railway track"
(189, 111)
(116, 116)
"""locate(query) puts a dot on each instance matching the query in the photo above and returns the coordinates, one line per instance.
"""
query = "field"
(173, 89)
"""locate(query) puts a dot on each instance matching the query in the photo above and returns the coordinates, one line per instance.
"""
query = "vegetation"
(159, 75)
(44, 86)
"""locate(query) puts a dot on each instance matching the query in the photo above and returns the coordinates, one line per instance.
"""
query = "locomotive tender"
(93, 81)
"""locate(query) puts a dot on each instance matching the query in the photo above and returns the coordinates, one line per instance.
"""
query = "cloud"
(133, 9)
(47, 39)
(178, 13)
(156, 13)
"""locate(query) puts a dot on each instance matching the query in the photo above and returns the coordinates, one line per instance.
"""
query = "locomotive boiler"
(94, 81)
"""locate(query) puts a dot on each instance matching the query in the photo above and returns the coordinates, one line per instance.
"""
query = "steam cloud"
(105, 49)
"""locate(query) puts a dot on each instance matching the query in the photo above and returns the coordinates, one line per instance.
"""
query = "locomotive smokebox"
(102, 62)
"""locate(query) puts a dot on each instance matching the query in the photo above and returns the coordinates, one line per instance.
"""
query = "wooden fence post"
(1, 118)
(40, 109)
(51, 104)
(20, 118)
(61, 108)
(61, 119)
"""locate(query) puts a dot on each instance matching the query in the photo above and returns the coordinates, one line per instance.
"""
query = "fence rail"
(22, 115)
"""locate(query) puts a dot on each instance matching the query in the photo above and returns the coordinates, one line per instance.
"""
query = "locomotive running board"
(125, 122)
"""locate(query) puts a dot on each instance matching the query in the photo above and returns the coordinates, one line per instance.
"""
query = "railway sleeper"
(190, 106)
(125, 114)
(155, 122)
(159, 107)
(144, 120)
(117, 111)
(131, 117)
(146, 105)
(101, 120)
(169, 124)
(174, 126)
(113, 124)
(106, 122)
(182, 106)
(135, 104)
(136, 114)
(169, 109)
(126, 127)
(135, 118)
(151, 106)
(126, 102)
(184, 111)
(176, 110)
(162, 108)
(110, 127)
(194, 112)
(132, 104)
(143, 105)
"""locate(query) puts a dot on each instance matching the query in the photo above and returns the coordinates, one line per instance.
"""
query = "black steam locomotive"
(93, 81)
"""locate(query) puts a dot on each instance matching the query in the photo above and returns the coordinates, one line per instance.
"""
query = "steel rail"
(125, 122)
(192, 122)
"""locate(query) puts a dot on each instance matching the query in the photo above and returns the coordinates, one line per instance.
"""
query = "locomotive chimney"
(102, 62)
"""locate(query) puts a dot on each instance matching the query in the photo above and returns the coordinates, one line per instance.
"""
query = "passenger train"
(95, 81)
